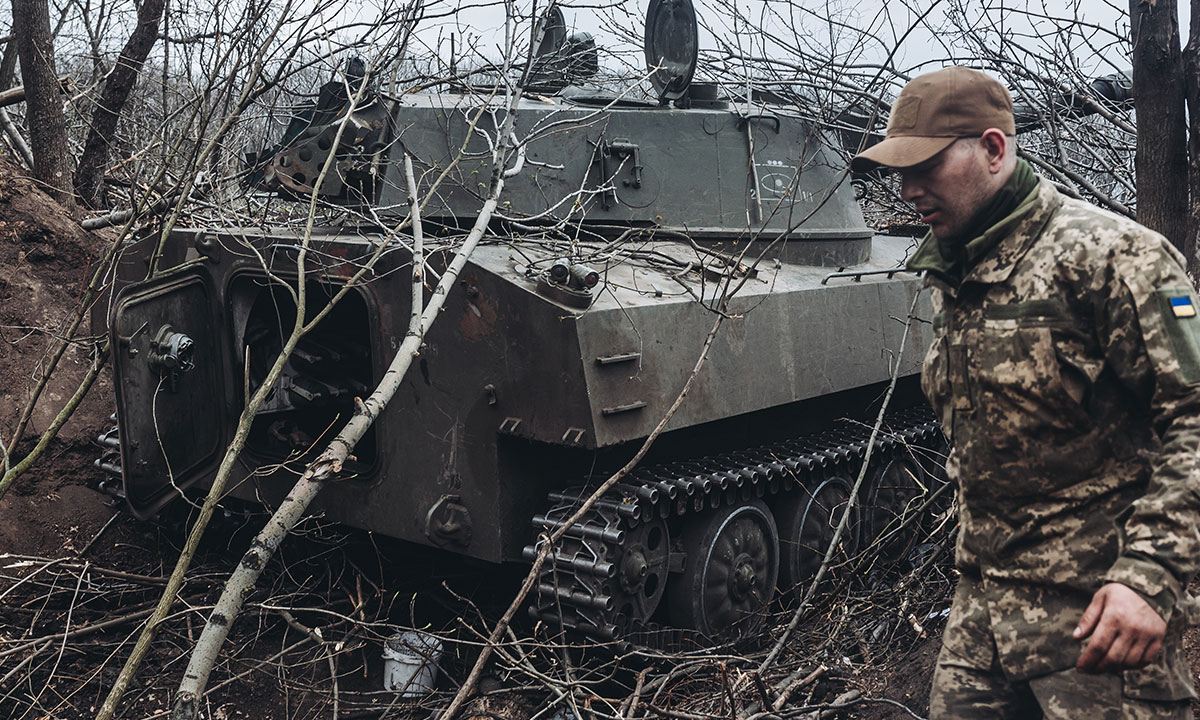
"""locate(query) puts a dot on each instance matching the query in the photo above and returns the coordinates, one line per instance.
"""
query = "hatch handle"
(618, 149)
(623, 148)
(126, 341)
(747, 117)
(172, 354)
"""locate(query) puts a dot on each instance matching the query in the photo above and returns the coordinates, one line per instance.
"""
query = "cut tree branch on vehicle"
(168, 596)
(329, 463)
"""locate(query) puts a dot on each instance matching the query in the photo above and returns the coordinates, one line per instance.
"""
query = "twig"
(81, 631)
(99, 570)
(631, 711)
(546, 542)
(100, 532)
(793, 686)
(844, 521)
(29, 578)
(333, 679)
(46, 642)
(761, 687)
(15, 138)
(733, 711)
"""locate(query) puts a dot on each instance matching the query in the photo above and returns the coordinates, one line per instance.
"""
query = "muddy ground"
(71, 558)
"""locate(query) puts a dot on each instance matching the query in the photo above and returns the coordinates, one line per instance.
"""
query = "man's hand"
(1128, 633)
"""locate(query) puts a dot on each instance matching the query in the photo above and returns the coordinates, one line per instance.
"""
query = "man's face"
(949, 188)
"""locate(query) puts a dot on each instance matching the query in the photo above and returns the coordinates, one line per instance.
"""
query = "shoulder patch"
(1177, 308)
(1182, 306)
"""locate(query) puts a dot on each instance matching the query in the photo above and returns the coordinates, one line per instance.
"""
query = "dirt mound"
(45, 262)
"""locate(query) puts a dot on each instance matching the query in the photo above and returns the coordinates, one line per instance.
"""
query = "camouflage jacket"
(1066, 372)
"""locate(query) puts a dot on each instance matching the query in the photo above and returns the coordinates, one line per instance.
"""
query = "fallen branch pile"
(310, 641)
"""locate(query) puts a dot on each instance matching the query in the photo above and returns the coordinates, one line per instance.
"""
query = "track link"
(109, 461)
(590, 581)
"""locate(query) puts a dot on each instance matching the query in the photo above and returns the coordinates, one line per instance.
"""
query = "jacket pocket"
(1024, 382)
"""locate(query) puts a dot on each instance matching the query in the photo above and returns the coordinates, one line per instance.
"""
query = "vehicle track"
(608, 576)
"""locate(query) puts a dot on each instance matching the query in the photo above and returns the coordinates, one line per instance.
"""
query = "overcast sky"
(1029, 22)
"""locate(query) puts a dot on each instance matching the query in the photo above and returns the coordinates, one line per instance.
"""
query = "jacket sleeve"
(1150, 326)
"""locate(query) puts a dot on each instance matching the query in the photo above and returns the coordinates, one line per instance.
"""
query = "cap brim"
(900, 152)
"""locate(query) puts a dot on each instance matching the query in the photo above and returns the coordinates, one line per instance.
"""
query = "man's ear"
(997, 146)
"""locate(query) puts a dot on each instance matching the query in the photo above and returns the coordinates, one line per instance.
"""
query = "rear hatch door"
(171, 386)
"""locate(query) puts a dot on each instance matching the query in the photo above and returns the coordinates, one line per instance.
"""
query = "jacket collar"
(1020, 231)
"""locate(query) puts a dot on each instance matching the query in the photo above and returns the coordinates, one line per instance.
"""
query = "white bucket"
(410, 663)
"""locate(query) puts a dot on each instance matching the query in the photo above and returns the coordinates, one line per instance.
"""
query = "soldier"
(1065, 371)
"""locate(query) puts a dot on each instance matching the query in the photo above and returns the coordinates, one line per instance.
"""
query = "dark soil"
(904, 676)
(44, 262)
(45, 258)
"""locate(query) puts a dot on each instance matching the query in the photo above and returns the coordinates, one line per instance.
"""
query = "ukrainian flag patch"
(1182, 306)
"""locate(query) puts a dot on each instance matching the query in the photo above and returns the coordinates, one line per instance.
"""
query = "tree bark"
(1191, 82)
(45, 117)
(1161, 163)
(8, 64)
(89, 177)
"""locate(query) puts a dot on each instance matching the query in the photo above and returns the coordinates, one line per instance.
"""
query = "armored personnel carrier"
(572, 330)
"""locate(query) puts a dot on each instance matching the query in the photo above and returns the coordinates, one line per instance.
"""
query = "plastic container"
(410, 663)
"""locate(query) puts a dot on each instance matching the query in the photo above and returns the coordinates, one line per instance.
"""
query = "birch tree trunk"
(327, 465)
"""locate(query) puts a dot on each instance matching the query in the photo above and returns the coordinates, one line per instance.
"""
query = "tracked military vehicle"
(574, 327)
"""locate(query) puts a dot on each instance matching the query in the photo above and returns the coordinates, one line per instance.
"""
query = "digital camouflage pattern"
(971, 681)
(1061, 695)
(1066, 372)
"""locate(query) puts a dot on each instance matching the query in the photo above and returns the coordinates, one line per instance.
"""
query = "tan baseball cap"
(933, 111)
